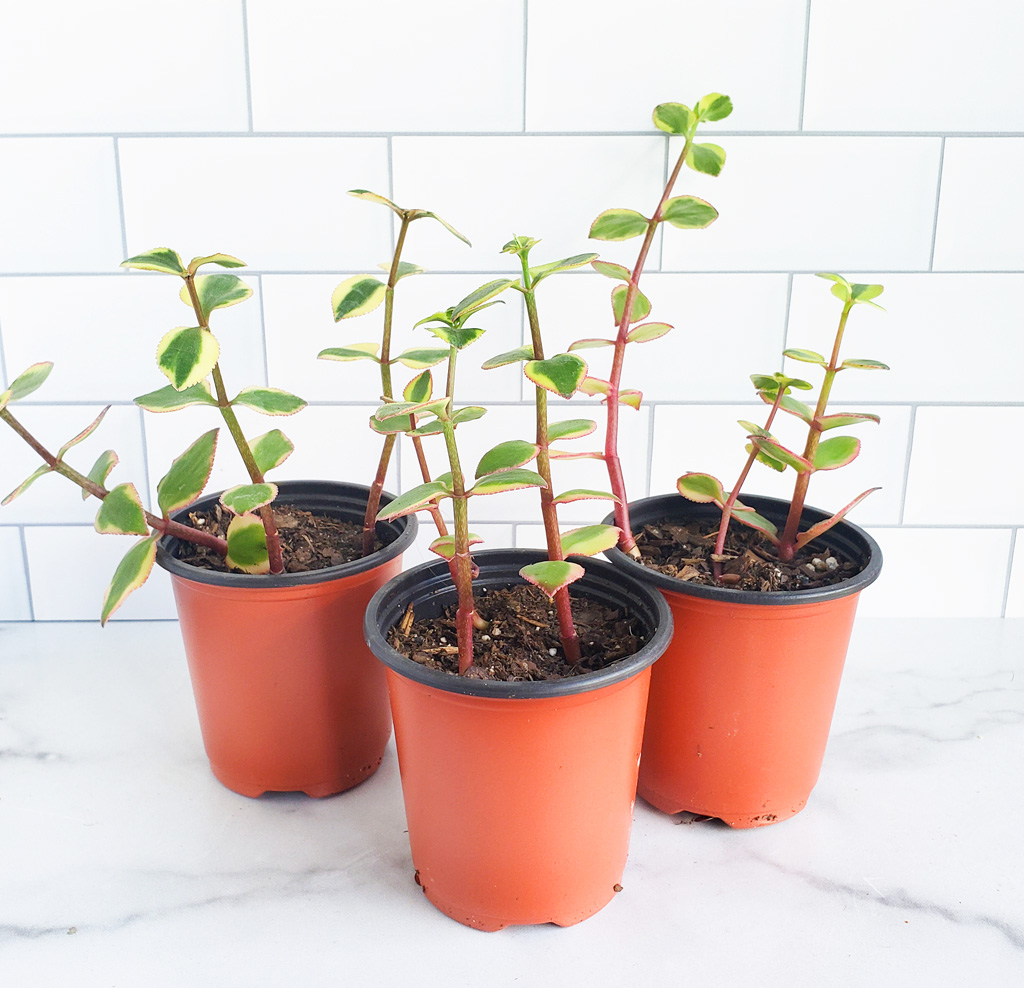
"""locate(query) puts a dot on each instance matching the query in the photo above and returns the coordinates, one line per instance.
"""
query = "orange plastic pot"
(742, 701)
(289, 697)
(518, 796)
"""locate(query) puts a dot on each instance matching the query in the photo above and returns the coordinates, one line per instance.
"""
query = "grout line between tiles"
(4, 380)
(248, 72)
(1009, 571)
(785, 320)
(263, 334)
(368, 134)
(526, 42)
(938, 196)
(145, 456)
(906, 465)
(28, 575)
(650, 453)
(803, 77)
(391, 193)
(666, 168)
(120, 198)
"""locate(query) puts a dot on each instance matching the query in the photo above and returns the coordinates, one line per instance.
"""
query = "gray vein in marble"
(902, 899)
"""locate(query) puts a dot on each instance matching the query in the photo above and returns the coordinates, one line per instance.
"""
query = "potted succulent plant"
(741, 705)
(518, 711)
(269, 580)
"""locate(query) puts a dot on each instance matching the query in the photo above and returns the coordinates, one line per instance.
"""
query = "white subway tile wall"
(890, 150)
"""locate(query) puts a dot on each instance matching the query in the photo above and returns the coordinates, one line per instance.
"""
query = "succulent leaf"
(641, 304)
(413, 500)
(706, 158)
(823, 526)
(505, 456)
(216, 291)
(131, 573)
(456, 336)
(702, 488)
(468, 414)
(224, 260)
(542, 271)
(790, 404)
(552, 575)
(419, 357)
(29, 380)
(374, 197)
(245, 498)
(269, 401)
(356, 296)
(571, 429)
(399, 424)
(590, 344)
(841, 419)
(807, 356)
(121, 513)
(509, 357)
(861, 364)
(186, 355)
(354, 351)
(105, 462)
(169, 399)
(187, 477)
(444, 545)
(444, 223)
(405, 269)
(84, 434)
(247, 545)
(750, 518)
(619, 272)
(419, 389)
(674, 118)
(271, 449)
(582, 494)
(158, 259)
(618, 224)
(713, 107)
(689, 213)
(26, 483)
(561, 374)
(590, 540)
(648, 331)
(476, 299)
(507, 480)
(773, 449)
(834, 453)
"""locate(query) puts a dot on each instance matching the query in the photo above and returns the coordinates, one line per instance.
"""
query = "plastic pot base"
(245, 786)
(737, 820)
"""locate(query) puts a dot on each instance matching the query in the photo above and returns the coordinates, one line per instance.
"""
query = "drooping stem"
(163, 525)
(787, 542)
(244, 450)
(563, 608)
(611, 447)
(716, 564)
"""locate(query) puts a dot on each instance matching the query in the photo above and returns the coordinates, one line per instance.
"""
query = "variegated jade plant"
(120, 511)
(562, 375)
(629, 304)
(189, 356)
(818, 454)
(361, 294)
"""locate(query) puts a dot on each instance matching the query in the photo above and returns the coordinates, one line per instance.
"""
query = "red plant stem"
(734, 494)
(163, 525)
(373, 498)
(549, 511)
(421, 459)
(611, 447)
(787, 543)
(244, 450)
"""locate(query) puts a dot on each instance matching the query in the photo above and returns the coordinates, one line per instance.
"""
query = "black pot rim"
(499, 567)
(329, 495)
(849, 538)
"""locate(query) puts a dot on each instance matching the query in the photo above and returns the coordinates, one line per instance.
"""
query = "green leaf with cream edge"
(589, 540)
(507, 480)
(561, 374)
(247, 545)
(413, 500)
(170, 399)
(131, 573)
(158, 259)
(187, 355)
(269, 401)
(444, 545)
(354, 351)
(618, 224)
(188, 475)
(552, 575)
(121, 513)
(271, 450)
(216, 291)
(101, 469)
(506, 456)
(245, 498)
(357, 296)
(29, 380)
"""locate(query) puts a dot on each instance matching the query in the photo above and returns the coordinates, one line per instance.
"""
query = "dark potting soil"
(522, 641)
(309, 541)
(685, 552)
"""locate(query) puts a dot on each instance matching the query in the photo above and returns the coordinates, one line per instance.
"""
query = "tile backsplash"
(887, 146)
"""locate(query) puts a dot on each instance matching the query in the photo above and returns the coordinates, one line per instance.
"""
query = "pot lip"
(600, 574)
(774, 598)
(295, 492)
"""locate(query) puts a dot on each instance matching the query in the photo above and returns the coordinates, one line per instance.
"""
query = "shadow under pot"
(289, 697)
(518, 795)
(741, 703)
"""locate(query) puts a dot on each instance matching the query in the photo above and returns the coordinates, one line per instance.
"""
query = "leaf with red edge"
(775, 450)
(790, 404)
(444, 545)
(552, 575)
(590, 540)
(750, 518)
(594, 386)
(631, 398)
(648, 331)
(131, 573)
(419, 497)
(83, 435)
(702, 488)
(823, 526)
(591, 343)
(507, 480)
(609, 269)
(582, 494)
(840, 419)
(641, 304)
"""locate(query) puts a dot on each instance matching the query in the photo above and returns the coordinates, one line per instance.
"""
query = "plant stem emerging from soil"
(244, 450)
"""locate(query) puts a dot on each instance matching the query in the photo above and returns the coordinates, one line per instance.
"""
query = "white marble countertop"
(123, 863)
